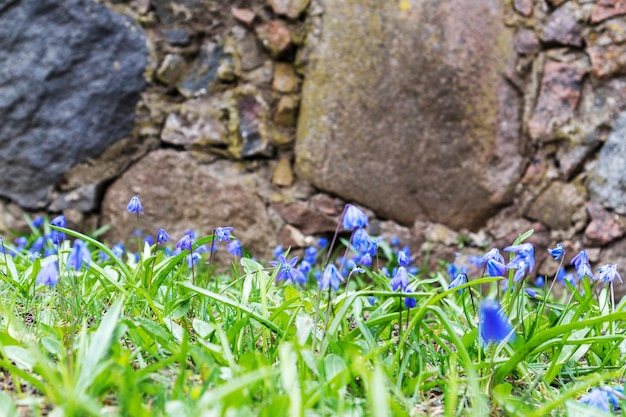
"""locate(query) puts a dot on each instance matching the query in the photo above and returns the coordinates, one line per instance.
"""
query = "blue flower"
(278, 250)
(185, 243)
(413, 270)
(476, 260)
(366, 259)
(354, 218)
(494, 254)
(354, 268)
(20, 242)
(162, 236)
(540, 281)
(607, 273)
(495, 268)
(453, 271)
(149, 240)
(79, 255)
(38, 221)
(234, 248)
(118, 249)
(521, 268)
(400, 279)
(410, 302)
(494, 325)
(403, 260)
(558, 252)
(360, 240)
(581, 263)
(330, 278)
(460, 279)
(288, 270)
(192, 259)
(395, 241)
(55, 236)
(48, 274)
(597, 398)
(322, 242)
(531, 293)
(524, 253)
(223, 233)
(134, 205)
(38, 244)
(304, 267)
(310, 254)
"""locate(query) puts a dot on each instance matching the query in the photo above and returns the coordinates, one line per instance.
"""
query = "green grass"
(148, 338)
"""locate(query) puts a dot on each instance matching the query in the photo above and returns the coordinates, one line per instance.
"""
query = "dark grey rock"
(71, 76)
(203, 77)
(607, 183)
(177, 37)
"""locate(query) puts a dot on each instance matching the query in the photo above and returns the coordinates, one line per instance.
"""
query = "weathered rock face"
(408, 112)
(607, 184)
(72, 73)
(179, 194)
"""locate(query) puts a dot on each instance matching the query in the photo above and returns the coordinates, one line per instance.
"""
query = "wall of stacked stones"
(457, 124)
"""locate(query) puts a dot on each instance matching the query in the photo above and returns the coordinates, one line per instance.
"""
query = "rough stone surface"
(409, 114)
(283, 174)
(245, 16)
(285, 78)
(563, 27)
(198, 122)
(603, 228)
(607, 48)
(306, 218)
(606, 9)
(285, 114)
(203, 76)
(526, 42)
(276, 37)
(290, 8)
(557, 205)
(71, 77)
(189, 196)
(607, 183)
(523, 7)
(560, 91)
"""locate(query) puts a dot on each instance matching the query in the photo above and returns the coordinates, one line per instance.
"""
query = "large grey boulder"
(408, 111)
(71, 74)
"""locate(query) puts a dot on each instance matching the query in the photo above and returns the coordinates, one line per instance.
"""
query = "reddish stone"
(606, 9)
(526, 42)
(275, 37)
(523, 7)
(308, 220)
(563, 28)
(607, 60)
(603, 227)
(245, 16)
(560, 92)
(290, 8)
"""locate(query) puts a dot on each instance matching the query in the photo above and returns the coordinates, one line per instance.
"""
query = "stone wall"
(460, 124)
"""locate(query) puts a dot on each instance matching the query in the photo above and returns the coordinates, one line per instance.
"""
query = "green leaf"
(7, 406)
(22, 357)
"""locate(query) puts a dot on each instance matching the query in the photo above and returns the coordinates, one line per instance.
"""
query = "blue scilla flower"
(278, 250)
(322, 242)
(413, 270)
(460, 279)
(400, 279)
(520, 266)
(354, 218)
(360, 240)
(118, 250)
(531, 293)
(38, 221)
(403, 260)
(223, 233)
(524, 253)
(395, 241)
(558, 252)
(48, 274)
(310, 254)
(409, 302)
(49, 251)
(20, 242)
(55, 236)
(331, 278)
(185, 243)
(149, 240)
(540, 281)
(366, 259)
(615, 394)
(495, 268)
(453, 271)
(494, 254)
(103, 257)
(192, 259)
(305, 267)
(353, 268)
(234, 248)
(607, 273)
(162, 236)
(134, 205)
(494, 325)
(581, 263)
(597, 398)
(475, 260)
(79, 255)
(288, 271)
(38, 244)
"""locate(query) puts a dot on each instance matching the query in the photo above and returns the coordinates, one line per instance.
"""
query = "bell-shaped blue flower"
(607, 273)
(223, 233)
(354, 218)
(134, 205)
(581, 263)
(400, 279)
(460, 279)
(330, 278)
(48, 274)
(234, 248)
(558, 252)
(185, 243)
(494, 325)
(162, 236)
(79, 256)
